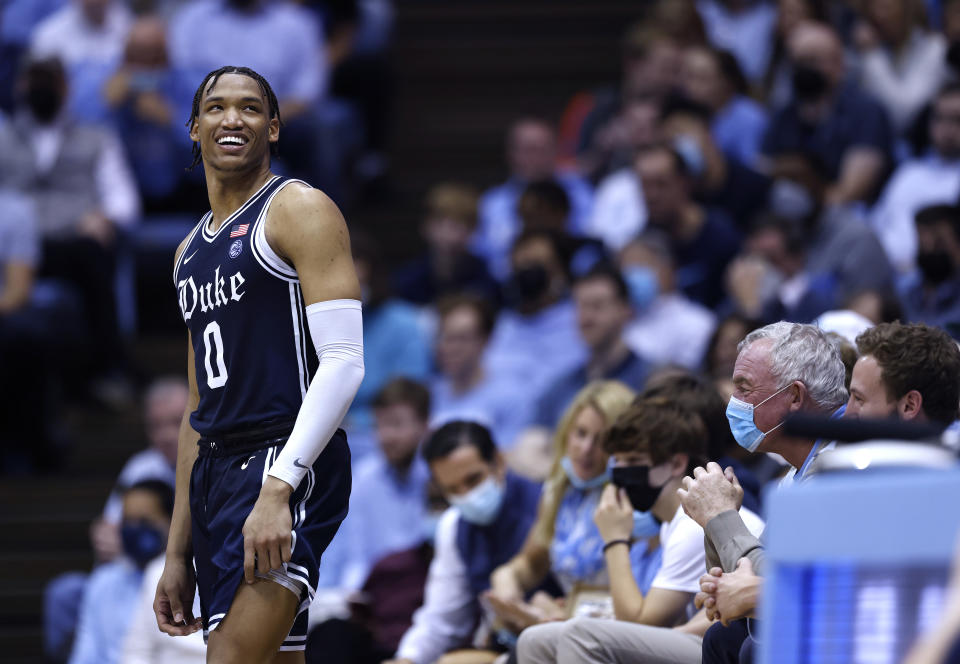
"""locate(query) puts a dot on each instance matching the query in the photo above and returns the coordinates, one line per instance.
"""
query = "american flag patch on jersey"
(239, 229)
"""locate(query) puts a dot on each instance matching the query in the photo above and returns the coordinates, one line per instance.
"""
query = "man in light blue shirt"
(532, 156)
(114, 587)
(388, 504)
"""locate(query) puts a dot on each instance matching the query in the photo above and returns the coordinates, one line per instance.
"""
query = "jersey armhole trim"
(262, 251)
(186, 246)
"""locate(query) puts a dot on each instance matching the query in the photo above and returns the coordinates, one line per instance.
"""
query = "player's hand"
(710, 492)
(614, 514)
(267, 532)
(173, 603)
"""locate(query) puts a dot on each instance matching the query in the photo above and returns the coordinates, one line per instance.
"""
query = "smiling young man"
(263, 472)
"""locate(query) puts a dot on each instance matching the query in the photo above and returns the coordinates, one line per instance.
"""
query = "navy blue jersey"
(244, 308)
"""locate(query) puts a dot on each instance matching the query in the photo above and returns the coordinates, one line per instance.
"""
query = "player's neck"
(227, 192)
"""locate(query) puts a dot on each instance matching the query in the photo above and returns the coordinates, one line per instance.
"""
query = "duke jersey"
(244, 308)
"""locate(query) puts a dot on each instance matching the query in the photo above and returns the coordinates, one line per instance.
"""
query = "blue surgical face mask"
(141, 542)
(645, 525)
(481, 505)
(689, 150)
(744, 429)
(642, 284)
(578, 482)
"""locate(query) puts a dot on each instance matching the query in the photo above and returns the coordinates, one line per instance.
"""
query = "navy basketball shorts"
(224, 487)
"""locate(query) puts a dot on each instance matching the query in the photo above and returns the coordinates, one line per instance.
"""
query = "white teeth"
(234, 140)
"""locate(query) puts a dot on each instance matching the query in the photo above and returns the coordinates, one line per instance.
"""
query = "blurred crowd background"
(733, 163)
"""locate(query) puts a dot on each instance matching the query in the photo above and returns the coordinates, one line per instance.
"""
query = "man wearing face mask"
(653, 445)
(667, 327)
(114, 587)
(931, 294)
(828, 117)
(782, 368)
(928, 179)
(542, 320)
(82, 191)
(492, 513)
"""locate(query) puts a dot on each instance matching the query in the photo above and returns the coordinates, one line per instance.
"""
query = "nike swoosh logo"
(247, 462)
(296, 462)
(187, 259)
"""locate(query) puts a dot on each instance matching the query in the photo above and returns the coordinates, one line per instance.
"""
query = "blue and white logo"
(236, 248)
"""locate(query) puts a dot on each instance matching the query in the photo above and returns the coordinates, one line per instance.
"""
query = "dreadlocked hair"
(211, 79)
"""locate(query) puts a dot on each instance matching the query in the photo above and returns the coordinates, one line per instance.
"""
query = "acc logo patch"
(236, 248)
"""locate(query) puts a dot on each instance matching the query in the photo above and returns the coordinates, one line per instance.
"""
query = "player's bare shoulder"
(302, 218)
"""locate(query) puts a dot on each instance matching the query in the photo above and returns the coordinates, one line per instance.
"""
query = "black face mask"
(529, 284)
(44, 102)
(636, 481)
(936, 265)
(243, 5)
(809, 84)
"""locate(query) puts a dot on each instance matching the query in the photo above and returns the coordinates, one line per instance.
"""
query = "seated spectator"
(394, 341)
(667, 327)
(931, 294)
(718, 180)
(146, 99)
(619, 212)
(531, 157)
(492, 513)
(82, 191)
(907, 372)
(164, 405)
(541, 321)
(696, 394)
(598, 124)
(721, 355)
(775, 87)
(743, 28)
(25, 339)
(389, 496)
(114, 587)
(830, 120)
(921, 182)
(902, 62)
(703, 239)
(771, 281)
(83, 32)
(564, 541)
(653, 444)
(603, 312)
(464, 388)
(782, 368)
(144, 643)
(713, 78)
(447, 266)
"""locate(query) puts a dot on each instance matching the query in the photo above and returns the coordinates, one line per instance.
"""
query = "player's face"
(233, 125)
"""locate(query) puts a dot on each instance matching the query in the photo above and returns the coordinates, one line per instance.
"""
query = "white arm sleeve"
(336, 327)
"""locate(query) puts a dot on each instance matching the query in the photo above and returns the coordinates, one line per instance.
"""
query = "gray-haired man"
(781, 369)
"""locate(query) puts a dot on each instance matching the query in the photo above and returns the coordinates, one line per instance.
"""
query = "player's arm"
(174, 600)
(305, 228)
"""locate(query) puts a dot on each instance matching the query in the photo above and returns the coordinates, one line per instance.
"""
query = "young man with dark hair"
(270, 478)
(931, 295)
(907, 372)
(604, 310)
(653, 445)
(389, 497)
(492, 512)
(464, 388)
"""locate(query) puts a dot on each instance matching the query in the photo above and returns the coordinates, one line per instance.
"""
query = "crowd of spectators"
(574, 394)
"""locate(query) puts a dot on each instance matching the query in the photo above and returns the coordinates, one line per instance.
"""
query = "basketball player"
(263, 472)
